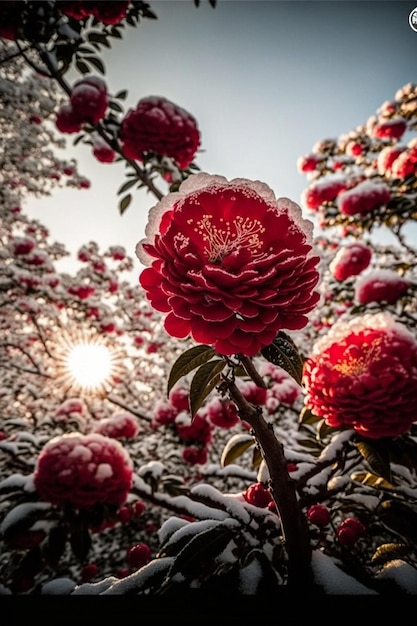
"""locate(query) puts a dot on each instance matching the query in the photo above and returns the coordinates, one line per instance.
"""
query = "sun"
(87, 363)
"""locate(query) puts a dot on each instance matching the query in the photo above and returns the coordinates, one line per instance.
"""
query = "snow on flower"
(363, 198)
(390, 129)
(230, 264)
(350, 260)
(159, 127)
(106, 12)
(324, 190)
(118, 426)
(363, 376)
(380, 286)
(83, 470)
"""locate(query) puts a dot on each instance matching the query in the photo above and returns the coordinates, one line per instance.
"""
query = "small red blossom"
(253, 393)
(180, 398)
(89, 99)
(103, 153)
(324, 190)
(23, 246)
(67, 121)
(318, 515)
(387, 157)
(230, 264)
(350, 530)
(83, 470)
(380, 286)
(308, 163)
(82, 291)
(159, 127)
(350, 260)
(164, 413)
(363, 376)
(363, 198)
(258, 495)
(199, 430)
(139, 555)
(124, 514)
(88, 572)
(222, 413)
(194, 455)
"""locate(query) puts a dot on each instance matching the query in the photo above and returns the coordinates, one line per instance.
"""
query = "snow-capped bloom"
(350, 530)
(363, 198)
(73, 407)
(89, 99)
(83, 470)
(118, 426)
(380, 286)
(198, 430)
(22, 245)
(308, 162)
(230, 264)
(406, 162)
(324, 190)
(393, 128)
(386, 158)
(105, 12)
(103, 152)
(159, 127)
(222, 412)
(363, 376)
(350, 260)
(66, 119)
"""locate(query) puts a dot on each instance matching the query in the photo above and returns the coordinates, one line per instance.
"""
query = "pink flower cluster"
(83, 470)
(158, 127)
(350, 260)
(87, 105)
(363, 376)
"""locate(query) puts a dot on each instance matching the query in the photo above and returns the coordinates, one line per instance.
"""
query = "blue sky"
(265, 79)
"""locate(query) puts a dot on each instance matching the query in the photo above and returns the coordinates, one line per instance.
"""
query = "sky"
(265, 79)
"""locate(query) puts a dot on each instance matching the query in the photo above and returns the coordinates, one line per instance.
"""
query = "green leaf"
(82, 67)
(400, 518)
(283, 353)
(201, 551)
(121, 95)
(98, 38)
(124, 203)
(188, 361)
(205, 380)
(115, 106)
(96, 62)
(80, 541)
(377, 461)
(235, 447)
(127, 185)
(307, 417)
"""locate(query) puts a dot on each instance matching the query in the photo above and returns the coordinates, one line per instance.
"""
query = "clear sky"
(265, 79)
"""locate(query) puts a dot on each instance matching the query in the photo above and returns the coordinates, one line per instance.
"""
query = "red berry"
(258, 495)
(139, 555)
(318, 515)
(124, 515)
(350, 530)
(88, 572)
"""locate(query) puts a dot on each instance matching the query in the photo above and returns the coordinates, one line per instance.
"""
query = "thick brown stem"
(293, 522)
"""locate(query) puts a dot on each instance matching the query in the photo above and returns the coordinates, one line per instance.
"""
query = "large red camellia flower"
(159, 127)
(363, 376)
(230, 264)
(83, 470)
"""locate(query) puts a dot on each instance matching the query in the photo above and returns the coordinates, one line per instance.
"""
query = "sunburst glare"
(87, 363)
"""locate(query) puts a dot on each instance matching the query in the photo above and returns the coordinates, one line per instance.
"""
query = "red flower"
(363, 375)
(88, 572)
(391, 129)
(160, 127)
(105, 12)
(363, 198)
(222, 413)
(194, 455)
(350, 260)
(67, 121)
(318, 515)
(139, 555)
(198, 430)
(380, 286)
(89, 99)
(83, 470)
(258, 495)
(324, 190)
(23, 245)
(103, 152)
(308, 162)
(231, 265)
(119, 426)
(350, 530)
(180, 399)
(82, 291)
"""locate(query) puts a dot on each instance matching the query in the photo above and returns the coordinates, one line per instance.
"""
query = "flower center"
(358, 358)
(222, 238)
